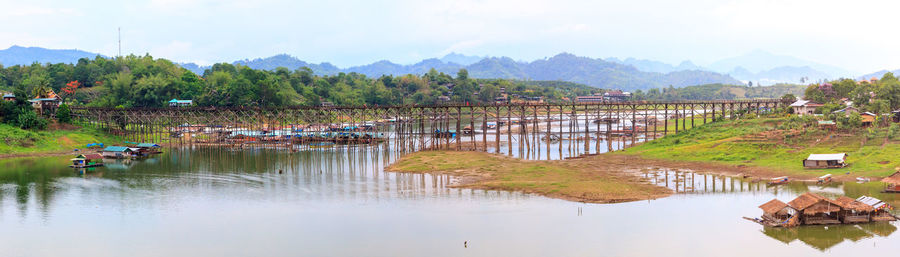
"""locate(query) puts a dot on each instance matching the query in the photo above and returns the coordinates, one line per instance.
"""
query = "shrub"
(63, 114)
(28, 119)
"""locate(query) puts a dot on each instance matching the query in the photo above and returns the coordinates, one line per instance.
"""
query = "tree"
(69, 90)
(28, 119)
(63, 114)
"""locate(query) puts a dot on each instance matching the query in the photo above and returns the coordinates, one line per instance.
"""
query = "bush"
(63, 114)
(28, 119)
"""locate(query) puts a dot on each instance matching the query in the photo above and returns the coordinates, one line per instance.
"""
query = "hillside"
(721, 92)
(17, 55)
(563, 67)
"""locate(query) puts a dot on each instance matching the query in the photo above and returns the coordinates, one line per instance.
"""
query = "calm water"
(339, 202)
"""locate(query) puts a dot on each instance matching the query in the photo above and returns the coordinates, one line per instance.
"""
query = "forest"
(142, 81)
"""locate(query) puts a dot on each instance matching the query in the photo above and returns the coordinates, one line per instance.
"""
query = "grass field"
(17, 141)
(758, 142)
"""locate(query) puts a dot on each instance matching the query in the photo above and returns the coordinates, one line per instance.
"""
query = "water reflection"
(267, 202)
(825, 237)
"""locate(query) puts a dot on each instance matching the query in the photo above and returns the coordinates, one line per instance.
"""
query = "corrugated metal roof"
(799, 103)
(871, 201)
(147, 145)
(826, 157)
(115, 149)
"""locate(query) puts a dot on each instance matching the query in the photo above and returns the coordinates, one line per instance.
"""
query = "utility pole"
(120, 41)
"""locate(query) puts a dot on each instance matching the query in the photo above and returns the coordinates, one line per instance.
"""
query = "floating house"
(87, 160)
(823, 161)
(880, 208)
(148, 148)
(893, 183)
(118, 152)
(814, 209)
(777, 211)
(854, 211)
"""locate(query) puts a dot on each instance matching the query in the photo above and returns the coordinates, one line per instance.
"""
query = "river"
(341, 202)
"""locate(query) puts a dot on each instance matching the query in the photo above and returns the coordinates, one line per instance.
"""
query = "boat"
(778, 181)
(321, 145)
(862, 179)
(824, 179)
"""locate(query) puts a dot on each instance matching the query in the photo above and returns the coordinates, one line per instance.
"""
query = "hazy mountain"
(878, 74)
(782, 74)
(460, 59)
(656, 66)
(759, 61)
(17, 55)
(562, 67)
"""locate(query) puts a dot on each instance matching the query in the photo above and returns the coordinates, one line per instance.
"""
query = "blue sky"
(857, 35)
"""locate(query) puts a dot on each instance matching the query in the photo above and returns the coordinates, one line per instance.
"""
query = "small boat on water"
(778, 181)
(824, 179)
(321, 145)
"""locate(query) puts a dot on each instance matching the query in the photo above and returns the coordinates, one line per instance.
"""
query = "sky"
(857, 35)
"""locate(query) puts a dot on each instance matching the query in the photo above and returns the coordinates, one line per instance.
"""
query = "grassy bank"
(765, 143)
(57, 139)
(576, 180)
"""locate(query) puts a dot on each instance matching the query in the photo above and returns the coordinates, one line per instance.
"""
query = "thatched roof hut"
(893, 179)
(810, 203)
(775, 207)
(854, 205)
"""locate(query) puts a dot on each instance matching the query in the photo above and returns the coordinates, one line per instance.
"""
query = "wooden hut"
(823, 161)
(881, 209)
(777, 211)
(148, 148)
(893, 182)
(816, 210)
(117, 152)
(87, 160)
(854, 211)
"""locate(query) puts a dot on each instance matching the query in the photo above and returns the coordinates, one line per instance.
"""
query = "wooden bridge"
(473, 127)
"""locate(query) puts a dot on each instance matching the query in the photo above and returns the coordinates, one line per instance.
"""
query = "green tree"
(63, 114)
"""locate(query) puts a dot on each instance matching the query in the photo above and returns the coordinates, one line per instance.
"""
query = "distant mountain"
(782, 74)
(460, 59)
(656, 66)
(760, 65)
(878, 74)
(17, 55)
(593, 72)
(562, 67)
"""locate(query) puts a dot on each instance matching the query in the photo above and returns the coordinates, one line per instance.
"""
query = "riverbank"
(57, 140)
(575, 180)
(767, 147)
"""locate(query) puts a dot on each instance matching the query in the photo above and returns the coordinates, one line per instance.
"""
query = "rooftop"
(826, 157)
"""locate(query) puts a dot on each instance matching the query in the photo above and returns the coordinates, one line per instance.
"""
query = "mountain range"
(759, 67)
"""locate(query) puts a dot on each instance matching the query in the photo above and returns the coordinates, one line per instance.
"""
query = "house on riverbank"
(824, 161)
(805, 107)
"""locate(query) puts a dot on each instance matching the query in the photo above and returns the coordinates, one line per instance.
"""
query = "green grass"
(18, 141)
(743, 142)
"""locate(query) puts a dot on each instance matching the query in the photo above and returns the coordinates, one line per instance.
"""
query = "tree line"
(142, 81)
